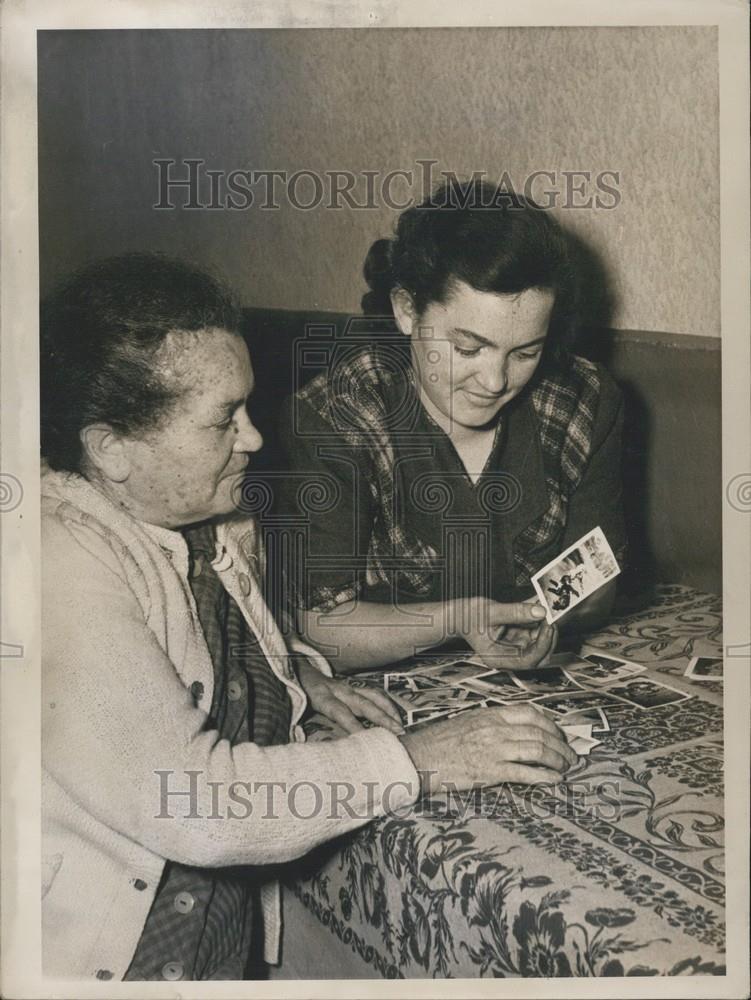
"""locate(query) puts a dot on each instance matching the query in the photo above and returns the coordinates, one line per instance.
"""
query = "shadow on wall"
(596, 306)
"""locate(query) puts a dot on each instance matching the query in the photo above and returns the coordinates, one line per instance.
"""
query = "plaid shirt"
(201, 922)
(360, 434)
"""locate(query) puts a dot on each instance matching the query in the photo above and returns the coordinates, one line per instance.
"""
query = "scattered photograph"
(450, 708)
(396, 683)
(647, 694)
(564, 704)
(599, 669)
(482, 703)
(461, 670)
(434, 699)
(442, 699)
(546, 681)
(582, 745)
(705, 668)
(499, 684)
(594, 717)
(403, 711)
(463, 696)
(566, 660)
(549, 713)
(418, 716)
(578, 572)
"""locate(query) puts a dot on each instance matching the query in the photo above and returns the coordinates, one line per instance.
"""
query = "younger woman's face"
(476, 351)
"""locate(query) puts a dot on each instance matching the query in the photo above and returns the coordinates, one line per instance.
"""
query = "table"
(621, 874)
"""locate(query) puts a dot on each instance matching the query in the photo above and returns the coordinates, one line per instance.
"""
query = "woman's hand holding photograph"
(506, 636)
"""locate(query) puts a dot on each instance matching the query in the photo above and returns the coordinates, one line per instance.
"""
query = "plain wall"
(641, 101)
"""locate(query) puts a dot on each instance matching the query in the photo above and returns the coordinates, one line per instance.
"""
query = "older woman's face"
(476, 351)
(188, 469)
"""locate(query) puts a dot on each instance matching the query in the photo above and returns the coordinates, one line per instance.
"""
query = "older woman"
(173, 755)
(462, 461)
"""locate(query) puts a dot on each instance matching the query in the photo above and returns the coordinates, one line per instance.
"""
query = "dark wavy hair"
(101, 331)
(488, 237)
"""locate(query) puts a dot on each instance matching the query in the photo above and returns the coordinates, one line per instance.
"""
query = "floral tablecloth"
(617, 872)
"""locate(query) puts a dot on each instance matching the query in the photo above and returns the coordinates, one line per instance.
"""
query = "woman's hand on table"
(487, 746)
(507, 636)
(339, 702)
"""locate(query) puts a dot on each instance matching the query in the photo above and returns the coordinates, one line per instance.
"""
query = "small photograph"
(578, 572)
(599, 669)
(493, 702)
(421, 682)
(418, 716)
(647, 694)
(498, 684)
(547, 712)
(499, 678)
(594, 717)
(402, 709)
(565, 660)
(482, 703)
(582, 745)
(548, 680)
(464, 696)
(396, 683)
(565, 704)
(461, 670)
(598, 552)
(410, 700)
(705, 668)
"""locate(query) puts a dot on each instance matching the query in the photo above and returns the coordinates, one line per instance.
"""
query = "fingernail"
(538, 612)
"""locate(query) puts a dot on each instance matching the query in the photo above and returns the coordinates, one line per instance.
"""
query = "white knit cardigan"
(121, 646)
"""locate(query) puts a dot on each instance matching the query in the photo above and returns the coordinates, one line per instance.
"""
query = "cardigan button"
(234, 690)
(245, 585)
(184, 902)
(196, 689)
(138, 883)
(103, 974)
(172, 970)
